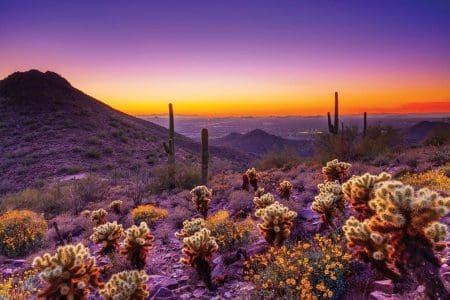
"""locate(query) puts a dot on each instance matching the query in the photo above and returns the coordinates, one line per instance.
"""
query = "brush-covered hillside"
(50, 129)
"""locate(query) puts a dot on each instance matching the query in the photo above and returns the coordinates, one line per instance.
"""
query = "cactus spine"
(205, 156)
(170, 147)
(334, 128)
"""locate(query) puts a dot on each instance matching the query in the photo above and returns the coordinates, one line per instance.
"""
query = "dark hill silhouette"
(49, 128)
(419, 132)
(259, 142)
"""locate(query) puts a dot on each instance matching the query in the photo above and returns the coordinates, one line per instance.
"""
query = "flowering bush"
(302, 271)
(18, 286)
(432, 179)
(21, 232)
(148, 214)
(229, 235)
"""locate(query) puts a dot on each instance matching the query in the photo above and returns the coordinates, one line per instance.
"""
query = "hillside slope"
(259, 142)
(49, 128)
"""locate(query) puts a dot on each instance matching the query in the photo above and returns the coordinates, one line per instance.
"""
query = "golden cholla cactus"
(116, 206)
(250, 177)
(285, 189)
(137, 243)
(190, 227)
(360, 190)
(197, 251)
(336, 170)
(259, 192)
(126, 285)
(277, 222)
(201, 196)
(99, 216)
(263, 201)
(330, 201)
(108, 236)
(409, 222)
(70, 274)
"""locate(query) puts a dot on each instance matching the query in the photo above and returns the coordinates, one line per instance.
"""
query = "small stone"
(162, 293)
(227, 295)
(198, 293)
(384, 286)
(420, 289)
(377, 295)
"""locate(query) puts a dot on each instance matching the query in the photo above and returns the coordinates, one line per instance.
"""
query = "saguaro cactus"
(170, 147)
(334, 128)
(365, 124)
(205, 156)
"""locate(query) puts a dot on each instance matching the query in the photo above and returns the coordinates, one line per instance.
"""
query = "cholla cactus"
(359, 190)
(250, 177)
(259, 192)
(201, 196)
(263, 201)
(330, 202)
(285, 189)
(99, 216)
(190, 227)
(197, 251)
(370, 245)
(409, 222)
(108, 236)
(70, 274)
(277, 222)
(137, 243)
(126, 285)
(336, 170)
(116, 206)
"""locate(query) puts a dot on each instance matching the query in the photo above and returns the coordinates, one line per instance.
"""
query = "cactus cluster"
(116, 206)
(201, 196)
(263, 200)
(190, 227)
(197, 250)
(277, 223)
(285, 189)
(359, 190)
(250, 177)
(99, 216)
(336, 170)
(126, 285)
(70, 274)
(402, 233)
(329, 203)
(137, 243)
(259, 192)
(107, 235)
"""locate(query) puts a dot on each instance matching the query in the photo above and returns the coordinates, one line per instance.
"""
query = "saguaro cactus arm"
(205, 156)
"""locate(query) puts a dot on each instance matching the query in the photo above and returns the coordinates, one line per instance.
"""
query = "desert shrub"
(148, 213)
(349, 145)
(228, 234)
(51, 200)
(21, 232)
(18, 286)
(178, 215)
(186, 176)
(437, 137)
(301, 271)
(283, 158)
(434, 179)
(90, 188)
(116, 206)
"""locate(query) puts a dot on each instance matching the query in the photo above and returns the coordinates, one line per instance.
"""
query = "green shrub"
(187, 176)
(283, 158)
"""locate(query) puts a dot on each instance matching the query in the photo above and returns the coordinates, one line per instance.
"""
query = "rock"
(257, 248)
(186, 296)
(307, 214)
(227, 295)
(183, 279)
(420, 289)
(377, 295)
(7, 272)
(17, 263)
(385, 286)
(162, 281)
(163, 293)
(199, 293)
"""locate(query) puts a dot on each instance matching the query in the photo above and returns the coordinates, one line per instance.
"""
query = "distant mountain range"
(419, 132)
(48, 128)
(258, 142)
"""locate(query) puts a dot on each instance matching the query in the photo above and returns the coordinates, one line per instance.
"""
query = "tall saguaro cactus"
(205, 156)
(170, 147)
(365, 124)
(334, 128)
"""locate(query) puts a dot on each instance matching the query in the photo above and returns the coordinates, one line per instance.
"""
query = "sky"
(231, 58)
